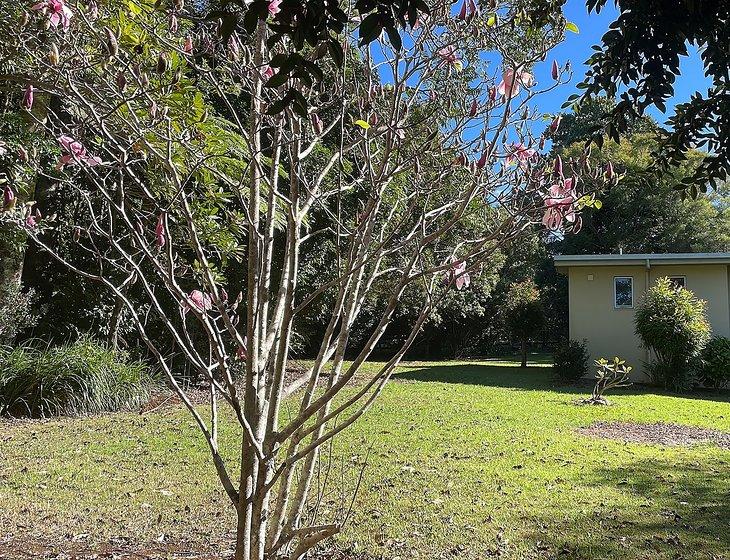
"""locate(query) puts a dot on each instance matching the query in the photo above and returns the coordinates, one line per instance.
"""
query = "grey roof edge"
(641, 258)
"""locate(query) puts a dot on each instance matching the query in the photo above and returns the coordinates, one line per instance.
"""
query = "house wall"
(610, 332)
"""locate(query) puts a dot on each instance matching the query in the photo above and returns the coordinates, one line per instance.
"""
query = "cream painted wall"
(610, 331)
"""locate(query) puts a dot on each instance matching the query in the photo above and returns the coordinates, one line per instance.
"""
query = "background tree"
(638, 61)
(524, 314)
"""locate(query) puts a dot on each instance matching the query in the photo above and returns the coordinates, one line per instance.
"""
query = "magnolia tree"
(197, 147)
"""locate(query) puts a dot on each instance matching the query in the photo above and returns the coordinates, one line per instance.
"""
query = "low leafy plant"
(610, 375)
(16, 311)
(570, 360)
(73, 379)
(715, 368)
(672, 323)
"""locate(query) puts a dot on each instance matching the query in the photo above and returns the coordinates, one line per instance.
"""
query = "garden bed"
(659, 434)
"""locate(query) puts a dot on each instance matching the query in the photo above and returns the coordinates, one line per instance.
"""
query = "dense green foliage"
(642, 213)
(642, 49)
(570, 360)
(671, 322)
(715, 368)
(79, 378)
(16, 311)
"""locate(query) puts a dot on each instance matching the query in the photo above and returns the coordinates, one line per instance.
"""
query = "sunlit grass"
(466, 459)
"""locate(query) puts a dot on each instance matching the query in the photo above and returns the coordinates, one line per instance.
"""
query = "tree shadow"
(489, 375)
(533, 378)
(683, 512)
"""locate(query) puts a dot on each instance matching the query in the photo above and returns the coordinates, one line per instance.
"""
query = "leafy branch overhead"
(639, 61)
(316, 25)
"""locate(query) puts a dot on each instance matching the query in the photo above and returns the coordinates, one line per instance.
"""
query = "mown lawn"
(464, 460)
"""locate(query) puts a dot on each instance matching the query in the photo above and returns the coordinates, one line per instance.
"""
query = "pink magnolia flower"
(512, 80)
(202, 302)
(448, 54)
(160, 233)
(519, 153)
(30, 221)
(560, 205)
(458, 274)
(274, 7)
(188, 46)
(267, 72)
(57, 12)
(75, 153)
(28, 97)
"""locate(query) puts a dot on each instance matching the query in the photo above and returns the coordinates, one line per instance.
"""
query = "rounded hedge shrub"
(570, 360)
(671, 322)
(715, 369)
(79, 378)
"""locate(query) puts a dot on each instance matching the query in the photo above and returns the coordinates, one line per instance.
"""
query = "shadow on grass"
(685, 513)
(529, 378)
(533, 378)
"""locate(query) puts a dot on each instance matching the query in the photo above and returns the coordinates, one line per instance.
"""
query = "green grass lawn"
(464, 460)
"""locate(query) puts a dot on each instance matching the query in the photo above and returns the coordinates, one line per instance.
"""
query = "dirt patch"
(659, 434)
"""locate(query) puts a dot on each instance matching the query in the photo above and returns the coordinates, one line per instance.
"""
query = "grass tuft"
(83, 377)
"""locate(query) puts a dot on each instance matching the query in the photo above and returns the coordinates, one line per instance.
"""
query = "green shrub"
(80, 378)
(570, 360)
(715, 368)
(671, 322)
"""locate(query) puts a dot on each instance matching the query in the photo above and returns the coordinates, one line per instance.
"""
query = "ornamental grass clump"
(83, 377)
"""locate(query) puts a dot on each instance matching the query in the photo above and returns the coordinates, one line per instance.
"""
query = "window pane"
(677, 281)
(624, 292)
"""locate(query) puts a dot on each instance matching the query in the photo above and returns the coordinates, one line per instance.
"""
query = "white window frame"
(615, 306)
(677, 276)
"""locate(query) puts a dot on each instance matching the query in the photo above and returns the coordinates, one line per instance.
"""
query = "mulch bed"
(658, 434)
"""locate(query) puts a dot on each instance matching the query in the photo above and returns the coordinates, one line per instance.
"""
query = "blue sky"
(577, 48)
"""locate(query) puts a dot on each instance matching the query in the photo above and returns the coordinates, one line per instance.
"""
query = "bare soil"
(658, 434)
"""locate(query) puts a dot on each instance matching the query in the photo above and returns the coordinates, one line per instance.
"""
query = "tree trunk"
(524, 352)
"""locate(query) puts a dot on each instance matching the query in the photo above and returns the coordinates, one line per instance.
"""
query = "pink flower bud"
(160, 234)
(317, 123)
(28, 97)
(464, 11)
(474, 108)
(555, 70)
(482, 160)
(558, 167)
(8, 198)
(555, 124)
(609, 170)
(188, 46)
